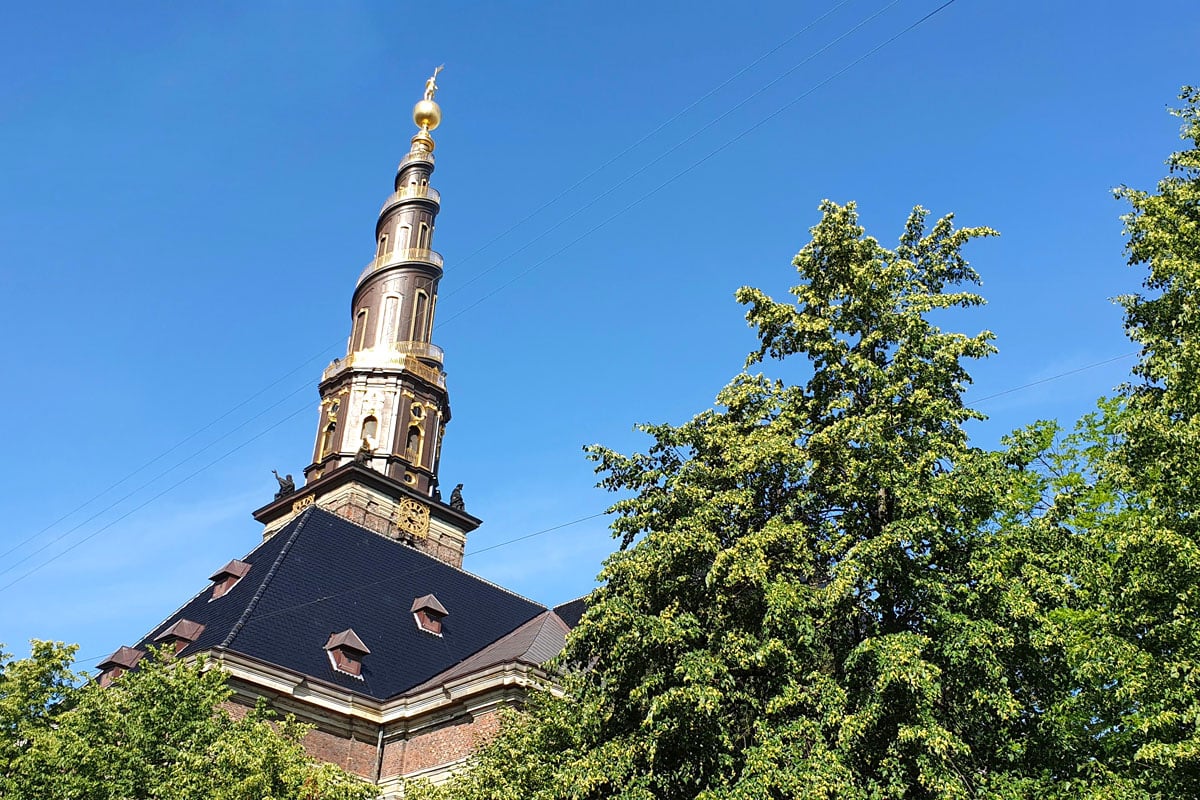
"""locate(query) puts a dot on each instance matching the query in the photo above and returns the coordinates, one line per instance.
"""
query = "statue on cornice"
(286, 485)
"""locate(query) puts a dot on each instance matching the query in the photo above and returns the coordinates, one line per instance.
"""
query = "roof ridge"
(566, 628)
(262, 587)
(583, 596)
(433, 559)
(546, 619)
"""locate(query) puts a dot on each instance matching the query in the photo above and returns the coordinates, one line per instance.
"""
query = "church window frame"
(414, 443)
(327, 436)
(369, 433)
(418, 327)
(360, 329)
(389, 320)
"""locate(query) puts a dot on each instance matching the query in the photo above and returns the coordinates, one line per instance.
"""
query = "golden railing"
(405, 192)
(407, 255)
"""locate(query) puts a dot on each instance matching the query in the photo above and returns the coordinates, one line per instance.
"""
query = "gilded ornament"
(412, 517)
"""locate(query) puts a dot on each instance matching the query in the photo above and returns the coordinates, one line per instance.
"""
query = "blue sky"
(190, 190)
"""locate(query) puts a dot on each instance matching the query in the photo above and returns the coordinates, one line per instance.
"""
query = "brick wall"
(436, 746)
(353, 755)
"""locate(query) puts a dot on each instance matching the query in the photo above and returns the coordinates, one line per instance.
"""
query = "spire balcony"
(410, 255)
(411, 356)
(416, 155)
(407, 192)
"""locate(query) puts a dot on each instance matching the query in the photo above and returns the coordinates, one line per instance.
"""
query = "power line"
(560, 526)
(699, 162)
(161, 456)
(654, 132)
(1023, 386)
(150, 482)
(612, 217)
(409, 573)
(142, 505)
(487, 270)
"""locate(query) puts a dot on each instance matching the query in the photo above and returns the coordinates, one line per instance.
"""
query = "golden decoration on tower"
(427, 114)
(412, 517)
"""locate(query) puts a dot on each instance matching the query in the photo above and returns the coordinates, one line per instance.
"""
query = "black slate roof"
(321, 574)
(571, 611)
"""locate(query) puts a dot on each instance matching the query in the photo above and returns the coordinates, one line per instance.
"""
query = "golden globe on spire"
(427, 114)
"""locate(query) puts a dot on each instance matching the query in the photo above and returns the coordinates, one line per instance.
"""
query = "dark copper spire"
(385, 404)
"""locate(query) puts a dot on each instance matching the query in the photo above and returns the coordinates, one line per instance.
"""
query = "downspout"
(379, 756)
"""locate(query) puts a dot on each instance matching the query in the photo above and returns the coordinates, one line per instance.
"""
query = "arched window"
(423, 237)
(420, 307)
(370, 428)
(383, 245)
(359, 337)
(412, 450)
(403, 237)
(327, 440)
(391, 310)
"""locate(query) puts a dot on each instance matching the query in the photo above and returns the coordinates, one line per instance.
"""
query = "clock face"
(413, 517)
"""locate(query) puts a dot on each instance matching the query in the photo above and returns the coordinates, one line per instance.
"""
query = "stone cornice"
(481, 691)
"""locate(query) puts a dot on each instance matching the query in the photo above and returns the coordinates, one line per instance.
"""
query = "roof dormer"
(116, 665)
(228, 575)
(346, 652)
(181, 634)
(429, 614)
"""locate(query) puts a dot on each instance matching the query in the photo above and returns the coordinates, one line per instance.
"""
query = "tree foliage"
(157, 732)
(823, 591)
(801, 605)
(1132, 633)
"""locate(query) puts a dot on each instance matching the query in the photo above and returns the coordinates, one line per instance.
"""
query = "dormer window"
(346, 652)
(180, 635)
(228, 575)
(429, 614)
(116, 665)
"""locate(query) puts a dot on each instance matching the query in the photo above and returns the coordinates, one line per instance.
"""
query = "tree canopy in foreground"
(823, 591)
(159, 732)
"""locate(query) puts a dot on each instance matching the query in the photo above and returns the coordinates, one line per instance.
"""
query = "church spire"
(385, 404)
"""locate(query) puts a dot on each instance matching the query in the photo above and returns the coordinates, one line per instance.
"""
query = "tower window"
(370, 429)
(383, 245)
(327, 440)
(413, 449)
(391, 309)
(360, 329)
(423, 237)
(404, 237)
(420, 307)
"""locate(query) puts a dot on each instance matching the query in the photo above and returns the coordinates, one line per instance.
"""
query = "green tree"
(812, 595)
(161, 732)
(1132, 632)
(34, 691)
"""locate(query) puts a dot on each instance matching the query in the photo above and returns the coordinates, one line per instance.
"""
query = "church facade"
(353, 613)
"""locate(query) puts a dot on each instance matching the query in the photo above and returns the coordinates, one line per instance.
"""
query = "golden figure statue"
(426, 114)
(431, 86)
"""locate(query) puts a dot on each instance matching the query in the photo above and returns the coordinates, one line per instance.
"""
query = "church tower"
(384, 406)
